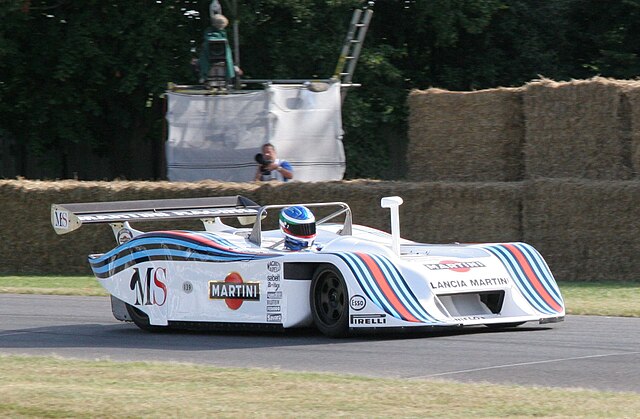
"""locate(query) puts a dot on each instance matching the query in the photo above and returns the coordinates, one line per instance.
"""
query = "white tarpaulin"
(217, 137)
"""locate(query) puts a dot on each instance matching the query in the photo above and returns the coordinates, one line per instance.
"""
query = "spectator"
(270, 167)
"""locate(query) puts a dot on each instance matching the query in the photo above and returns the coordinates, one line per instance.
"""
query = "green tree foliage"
(292, 39)
(93, 72)
(606, 38)
(89, 71)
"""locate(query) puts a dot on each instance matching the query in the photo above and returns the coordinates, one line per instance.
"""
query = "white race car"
(341, 277)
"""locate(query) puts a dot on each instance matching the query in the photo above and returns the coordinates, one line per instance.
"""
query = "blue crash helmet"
(298, 225)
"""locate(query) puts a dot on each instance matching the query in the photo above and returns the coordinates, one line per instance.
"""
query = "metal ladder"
(352, 45)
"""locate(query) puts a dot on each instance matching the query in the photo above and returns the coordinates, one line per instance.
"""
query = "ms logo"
(150, 288)
(61, 219)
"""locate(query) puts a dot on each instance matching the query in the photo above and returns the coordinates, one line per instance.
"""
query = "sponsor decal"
(448, 284)
(187, 287)
(468, 318)
(234, 291)
(357, 302)
(458, 283)
(274, 317)
(149, 288)
(273, 281)
(274, 295)
(124, 235)
(274, 277)
(486, 282)
(369, 319)
(61, 219)
(273, 266)
(455, 266)
(124, 216)
(165, 214)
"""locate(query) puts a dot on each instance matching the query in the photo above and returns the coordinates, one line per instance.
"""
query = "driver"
(298, 225)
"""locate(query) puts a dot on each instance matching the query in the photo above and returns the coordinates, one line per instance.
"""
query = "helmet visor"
(300, 230)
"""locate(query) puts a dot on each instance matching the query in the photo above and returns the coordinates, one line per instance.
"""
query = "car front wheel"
(330, 301)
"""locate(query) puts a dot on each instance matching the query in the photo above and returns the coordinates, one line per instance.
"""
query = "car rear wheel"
(330, 301)
(141, 320)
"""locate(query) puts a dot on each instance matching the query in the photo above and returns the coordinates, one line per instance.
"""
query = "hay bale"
(30, 245)
(576, 130)
(465, 136)
(433, 212)
(362, 196)
(631, 95)
(446, 212)
(586, 230)
(440, 212)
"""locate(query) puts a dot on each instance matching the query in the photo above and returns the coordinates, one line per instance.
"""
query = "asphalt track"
(584, 351)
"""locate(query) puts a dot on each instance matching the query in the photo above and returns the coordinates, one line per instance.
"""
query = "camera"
(264, 163)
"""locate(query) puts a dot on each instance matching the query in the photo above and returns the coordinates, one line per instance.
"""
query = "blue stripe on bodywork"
(542, 270)
(367, 283)
(400, 286)
(158, 246)
(521, 280)
(525, 287)
(401, 289)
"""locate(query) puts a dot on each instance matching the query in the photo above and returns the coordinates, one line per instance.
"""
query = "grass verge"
(52, 387)
(602, 298)
(592, 298)
(51, 285)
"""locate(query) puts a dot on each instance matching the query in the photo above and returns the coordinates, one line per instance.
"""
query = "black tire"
(498, 326)
(330, 301)
(141, 320)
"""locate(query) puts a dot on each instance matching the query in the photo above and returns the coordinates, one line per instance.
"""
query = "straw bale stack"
(439, 212)
(30, 246)
(445, 212)
(434, 212)
(576, 129)
(631, 92)
(465, 136)
(586, 230)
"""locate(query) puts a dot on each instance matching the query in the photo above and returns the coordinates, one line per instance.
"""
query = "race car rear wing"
(66, 218)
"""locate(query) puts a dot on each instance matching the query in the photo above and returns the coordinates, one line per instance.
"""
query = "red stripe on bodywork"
(532, 277)
(197, 238)
(384, 286)
(205, 241)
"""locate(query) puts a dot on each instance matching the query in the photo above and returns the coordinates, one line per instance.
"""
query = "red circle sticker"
(233, 278)
(456, 268)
